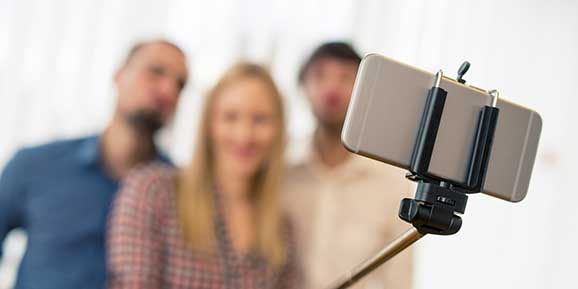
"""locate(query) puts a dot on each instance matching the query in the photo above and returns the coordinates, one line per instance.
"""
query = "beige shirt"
(345, 215)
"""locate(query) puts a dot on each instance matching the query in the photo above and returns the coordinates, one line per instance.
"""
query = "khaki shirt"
(345, 215)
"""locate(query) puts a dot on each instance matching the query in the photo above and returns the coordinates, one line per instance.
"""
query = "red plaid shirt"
(147, 250)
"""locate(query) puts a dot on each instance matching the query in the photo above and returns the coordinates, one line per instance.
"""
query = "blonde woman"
(217, 222)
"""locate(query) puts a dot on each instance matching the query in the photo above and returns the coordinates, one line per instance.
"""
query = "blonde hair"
(196, 184)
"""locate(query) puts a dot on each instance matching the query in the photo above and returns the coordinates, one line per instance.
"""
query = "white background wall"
(57, 59)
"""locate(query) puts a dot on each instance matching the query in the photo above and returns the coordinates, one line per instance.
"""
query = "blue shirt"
(60, 195)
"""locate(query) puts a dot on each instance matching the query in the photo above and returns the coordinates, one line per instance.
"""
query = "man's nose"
(169, 89)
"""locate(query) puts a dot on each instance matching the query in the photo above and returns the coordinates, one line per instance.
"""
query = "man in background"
(60, 193)
(344, 206)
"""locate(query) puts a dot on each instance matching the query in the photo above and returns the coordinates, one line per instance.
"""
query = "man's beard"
(145, 122)
(332, 126)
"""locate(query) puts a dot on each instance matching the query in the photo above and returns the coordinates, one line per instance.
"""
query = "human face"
(151, 81)
(328, 84)
(243, 127)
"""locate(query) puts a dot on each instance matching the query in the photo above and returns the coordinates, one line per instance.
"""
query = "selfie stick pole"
(388, 252)
(437, 200)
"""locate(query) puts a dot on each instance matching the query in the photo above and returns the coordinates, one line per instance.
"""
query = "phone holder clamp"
(438, 200)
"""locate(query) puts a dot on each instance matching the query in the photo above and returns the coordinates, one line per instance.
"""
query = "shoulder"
(298, 175)
(296, 187)
(31, 157)
(153, 172)
(57, 147)
(32, 153)
(151, 181)
(297, 172)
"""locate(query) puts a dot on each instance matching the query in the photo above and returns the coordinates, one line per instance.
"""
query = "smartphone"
(385, 110)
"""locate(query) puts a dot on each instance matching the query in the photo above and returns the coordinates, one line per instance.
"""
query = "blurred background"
(57, 59)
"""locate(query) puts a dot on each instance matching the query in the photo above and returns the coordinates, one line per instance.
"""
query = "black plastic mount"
(437, 200)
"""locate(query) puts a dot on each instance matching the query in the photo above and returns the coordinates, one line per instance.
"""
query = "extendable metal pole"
(392, 249)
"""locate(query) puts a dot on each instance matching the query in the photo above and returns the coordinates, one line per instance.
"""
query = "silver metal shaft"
(392, 249)
(438, 78)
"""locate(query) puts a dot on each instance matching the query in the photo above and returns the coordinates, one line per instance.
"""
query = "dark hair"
(335, 50)
(140, 45)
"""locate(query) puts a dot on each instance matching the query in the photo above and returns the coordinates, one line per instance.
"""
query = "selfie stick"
(437, 200)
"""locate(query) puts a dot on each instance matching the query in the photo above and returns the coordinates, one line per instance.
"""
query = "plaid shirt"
(147, 249)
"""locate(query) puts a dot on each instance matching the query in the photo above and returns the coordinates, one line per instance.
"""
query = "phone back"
(384, 114)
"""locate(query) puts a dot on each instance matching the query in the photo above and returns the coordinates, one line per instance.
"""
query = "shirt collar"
(89, 152)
